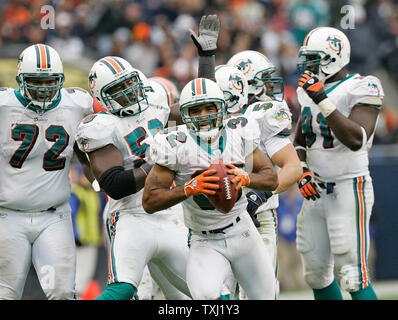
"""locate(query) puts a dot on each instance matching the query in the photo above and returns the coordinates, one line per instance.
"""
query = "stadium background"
(153, 36)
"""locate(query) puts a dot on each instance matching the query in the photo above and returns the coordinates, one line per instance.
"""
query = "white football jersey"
(36, 149)
(131, 135)
(326, 155)
(274, 120)
(188, 156)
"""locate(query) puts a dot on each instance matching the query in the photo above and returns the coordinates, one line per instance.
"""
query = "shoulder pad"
(165, 147)
(366, 89)
(81, 98)
(273, 117)
(95, 131)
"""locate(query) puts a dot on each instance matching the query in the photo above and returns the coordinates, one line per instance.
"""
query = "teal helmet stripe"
(119, 63)
(193, 88)
(37, 56)
(109, 66)
(203, 85)
(48, 57)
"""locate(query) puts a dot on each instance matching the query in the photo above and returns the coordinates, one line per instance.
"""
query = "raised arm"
(206, 43)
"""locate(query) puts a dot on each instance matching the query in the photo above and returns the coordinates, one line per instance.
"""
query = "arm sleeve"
(276, 143)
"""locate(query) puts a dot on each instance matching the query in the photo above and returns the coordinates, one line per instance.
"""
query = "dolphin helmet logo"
(236, 82)
(91, 79)
(335, 43)
(244, 65)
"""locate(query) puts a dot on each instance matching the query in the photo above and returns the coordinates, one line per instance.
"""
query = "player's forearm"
(347, 131)
(206, 67)
(264, 180)
(288, 176)
(156, 199)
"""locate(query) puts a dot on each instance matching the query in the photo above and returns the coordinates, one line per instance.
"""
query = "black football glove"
(255, 199)
(312, 86)
(307, 185)
(206, 42)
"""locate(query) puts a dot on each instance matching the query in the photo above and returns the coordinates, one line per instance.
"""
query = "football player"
(37, 138)
(339, 112)
(116, 143)
(251, 90)
(183, 155)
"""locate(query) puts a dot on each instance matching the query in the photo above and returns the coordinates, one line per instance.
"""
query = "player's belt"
(221, 230)
(329, 186)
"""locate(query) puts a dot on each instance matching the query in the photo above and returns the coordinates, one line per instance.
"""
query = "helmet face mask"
(273, 87)
(312, 61)
(42, 89)
(40, 75)
(199, 122)
(118, 86)
(125, 94)
(203, 110)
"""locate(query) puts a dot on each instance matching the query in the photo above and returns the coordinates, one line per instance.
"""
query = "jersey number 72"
(28, 133)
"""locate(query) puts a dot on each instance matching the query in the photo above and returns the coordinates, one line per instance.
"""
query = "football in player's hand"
(226, 195)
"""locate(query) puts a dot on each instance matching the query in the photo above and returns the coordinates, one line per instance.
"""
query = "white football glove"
(206, 42)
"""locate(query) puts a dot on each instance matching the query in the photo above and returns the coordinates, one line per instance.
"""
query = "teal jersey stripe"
(206, 147)
(355, 185)
(25, 102)
(340, 82)
(358, 223)
(365, 240)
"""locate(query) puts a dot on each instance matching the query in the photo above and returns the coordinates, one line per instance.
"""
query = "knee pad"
(317, 279)
(350, 279)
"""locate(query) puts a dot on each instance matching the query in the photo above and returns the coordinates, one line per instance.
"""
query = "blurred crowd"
(154, 34)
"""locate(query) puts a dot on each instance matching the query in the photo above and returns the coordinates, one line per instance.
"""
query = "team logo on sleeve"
(335, 43)
(372, 86)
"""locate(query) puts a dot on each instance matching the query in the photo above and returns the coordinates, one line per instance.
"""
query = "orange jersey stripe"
(362, 232)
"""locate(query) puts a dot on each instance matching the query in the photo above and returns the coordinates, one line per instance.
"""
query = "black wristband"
(118, 183)
(201, 52)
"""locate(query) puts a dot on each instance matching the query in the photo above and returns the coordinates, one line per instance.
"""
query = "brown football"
(226, 195)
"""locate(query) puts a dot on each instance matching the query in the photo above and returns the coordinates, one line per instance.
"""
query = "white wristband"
(326, 106)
